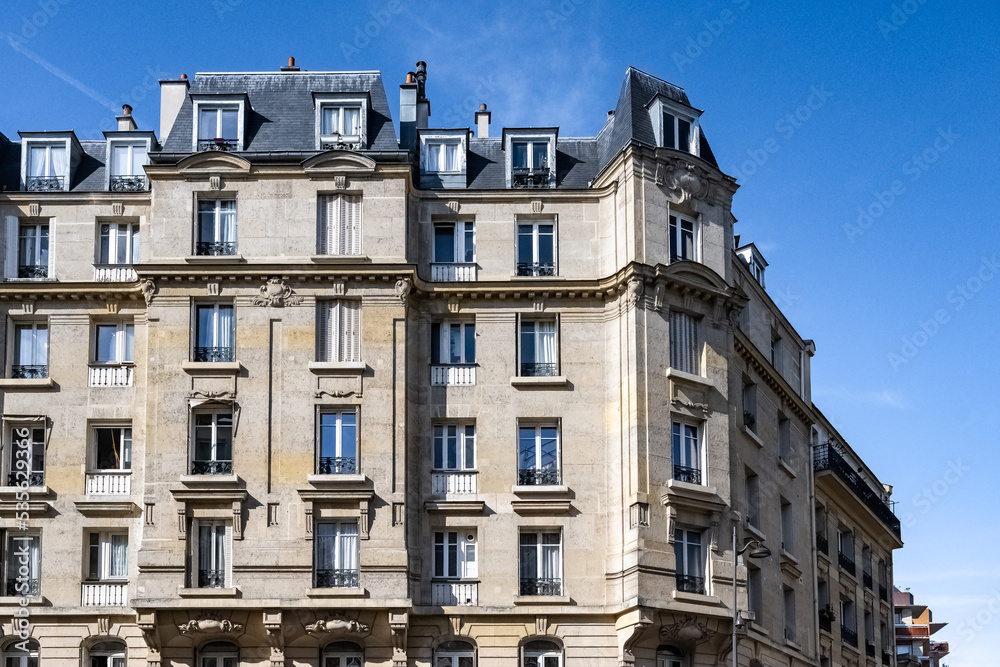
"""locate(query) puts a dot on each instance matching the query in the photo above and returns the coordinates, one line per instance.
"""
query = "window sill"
(211, 367)
(758, 628)
(787, 468)
(337, 593)
(339, 259)
(791, 643)
(100, 508)
(540, 489)
(697, 598)
(27, 383)
(32, 491)
(689, 378)
(753, 436)
(338, 367)
(523, 600)
(214, 259)
(539, 381)
(789, 564)
(696, 489)
(207, 592)
(336, 480)
(213, 480)
(14, 601)
(756, 532)
(457, 506)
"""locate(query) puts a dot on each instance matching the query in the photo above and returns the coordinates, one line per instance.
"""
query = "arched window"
(13, 656)
(542, 654)
(107, 654)
(668, 656)
(219, 654)
(343, 654)
(455, 654)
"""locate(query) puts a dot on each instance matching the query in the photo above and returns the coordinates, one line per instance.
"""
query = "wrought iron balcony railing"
(211, 467)
(128, 183)
(32, 271)
(218, 144)
(826, 457)
(43, 183)
(870, 649)
(687, 583)
(523, 177)
(15, 477)
(866, 578)
(29, 371)
(883, 593)
(539, 369)
(849, 636)
(886, 657)
(541, 586)
(340, 145)
(215, 248)
(336, 578)
(337, 465)
(537, 476)
(846, 563)
(23, 587)
(213, 354)
(536, 269)
(211, 578)
(822, 543)
(825, 623)
(685, 474)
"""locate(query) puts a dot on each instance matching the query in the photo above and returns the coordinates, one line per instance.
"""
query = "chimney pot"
(409, 77)
(611, 114)
(126, 110)
(291, 61)
(184, 77)
(482, 107)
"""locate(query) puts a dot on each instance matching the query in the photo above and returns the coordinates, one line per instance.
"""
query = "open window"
(337, 442)
(341, 122)
(454, 252)
(538, 347)
(530, 157)
(110, 466)
(687, 452)
(24, 457)
(676, 125)
(113, 354)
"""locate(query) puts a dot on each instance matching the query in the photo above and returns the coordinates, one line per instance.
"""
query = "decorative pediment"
(339, 162)
(696, 275)
(213, 163)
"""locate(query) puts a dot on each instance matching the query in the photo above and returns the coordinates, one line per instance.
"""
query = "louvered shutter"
(351, 330)
(229, 553)
(352, 226)
(11, 228)
(194, 535)
(684, 343)
(323, 226)
(323, 330)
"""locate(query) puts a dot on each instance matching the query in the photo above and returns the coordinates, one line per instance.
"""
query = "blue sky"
(876, 208)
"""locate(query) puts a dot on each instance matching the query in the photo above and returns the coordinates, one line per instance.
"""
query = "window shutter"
(353, 226)
(194, 536)
(351, 327)
(323, 227)
(469, 566)
(435, 343)
(10, 254)
(684, 343)
(323, 321)
(229, 552)
(341, 227)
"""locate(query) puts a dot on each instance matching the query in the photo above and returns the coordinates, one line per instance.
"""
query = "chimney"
(482, 122)
(408, 113)
(423, 104)
(125, 122)
(611, 115)
(291, 66)
(173, 92)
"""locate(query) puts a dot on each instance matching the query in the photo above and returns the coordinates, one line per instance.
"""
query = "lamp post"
(758, 551)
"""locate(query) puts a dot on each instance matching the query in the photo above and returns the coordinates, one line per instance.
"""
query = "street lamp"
(758, 551)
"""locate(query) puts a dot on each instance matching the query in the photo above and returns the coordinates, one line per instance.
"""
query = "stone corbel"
(309, 519)
(658, 294)
(150, 635)
(398, 623)
(182, 522)
(630, 629)
(713, 532)
(237, 519)
(272, 625)
(363, 520)
(671, 523)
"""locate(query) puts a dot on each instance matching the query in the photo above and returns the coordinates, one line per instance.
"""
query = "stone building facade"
(295, 391)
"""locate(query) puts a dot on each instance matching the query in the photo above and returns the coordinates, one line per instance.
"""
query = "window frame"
(532, 655)
(218, 211)
(442, 345)
(440, 146)
(338, 557)
(522, 320)
(451, 651)
(351, 141)
(121, 337)
(752, 498)
(679, 439)
(12, 476)
(670, 656)
(683, 567)
(214, 650)
(462, 449)
(466, 564)
(676, 234)
(219, 104)
(105, 544)
(131, 243)
(214, 410)
(339, 650)
(659, 108)
(338, 444)
(537, 468)
(10, 552)
(131, 145)
(686, 347)
(30, 658)
(17, 352)
(109, 657)
(42, 244)
(32, 143)
(460, 247)
(125, 455)
(334, 330)
(218, 526)
(539, 556)
(538, 268)
(217, 307)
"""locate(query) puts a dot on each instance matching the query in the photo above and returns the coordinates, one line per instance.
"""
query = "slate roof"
(281, 115)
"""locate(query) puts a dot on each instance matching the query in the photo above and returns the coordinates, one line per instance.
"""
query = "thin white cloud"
(884, 398)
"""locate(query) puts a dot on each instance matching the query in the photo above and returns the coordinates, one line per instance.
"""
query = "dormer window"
(343, 122)
(530, 158)
(677, 132)
(48, 167)
(443, 158)
(754, 260)
(340, 122)
(219, 122)
(675, 125)
(127, 161)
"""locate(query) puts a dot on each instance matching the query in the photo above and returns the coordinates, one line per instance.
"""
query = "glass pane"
(455, 344)
(549, 448)
(206, 326)
(520, 158)
(36, 162)
(443, 661)
(668, 131)
(229, 124)
(121, 255)
(433, 157)
(470, 343)
(41, 352)
(452, 555)
(105, 245)
(526, 447)
(106, 335)
(108, 449)
(203, 437)
(444, 244)
(683, 135)
(470, 243)
(135, 244)
(57, 162)
(331, 120)
(352, 121)
(206, 221)
(129, 343)
(119, 161)
(470, 448)
(349, 435)
(546, 244)
(224, 437)
(138, 160)
(25, 346)
(539, 155)
(438, 447)
(465, 661)
(452, 447)
(207, 125)
(119, 556)
(525, 244)
(328, 434)
(451, 157)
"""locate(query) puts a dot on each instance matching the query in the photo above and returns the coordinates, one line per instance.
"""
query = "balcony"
(540, 586)
(128, 184)
(822, 543)
(111, 376)
(826, 457)
(846, 563)
(883, 594)
(17, 587)
(455, 593)
(114, 273)
(104, 594)
(32, 271)
(117, 483)
(523, 177)
(685, 474)
(536, 269)
(866, 578)
(215, 248)
(337, 143)
(849, 636)
(870, 649)
(447, 483)
(455, 375)
(539, 369)
(44, 183)
(29, 371)
(15, 477)
(337, 465)
(690, 584)
(886, 657)
(337, 578)
(213, 354)
(211, 578)
(218, 144)
(825, 623)
(211, 467)
(538, 477)
(453, 273)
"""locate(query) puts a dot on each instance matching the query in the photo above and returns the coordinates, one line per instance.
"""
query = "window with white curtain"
(216, 227)
(686, 452)
(33, 250)
(454, 447)
(443, 156)
(25, 458)
(22, 564)
(218, 127)
(339, 225)
(683, 239)
(538, 454)
(119, 243)
(213, 442)
(538, 348)
(689, 560)
(212, 553)
(114, 343)
(337, 444)
(112, 448)
(455, 554)
(453, 343)
(13, 656)
(340, 120)
(215, 332)
(127, 161)
(685, 352)
(107, 654)
(31, 350)
(107, 556)
(336, 554)
(540, 563)
(48, 166)
(540, 653)
(343, 654)
(338, 330)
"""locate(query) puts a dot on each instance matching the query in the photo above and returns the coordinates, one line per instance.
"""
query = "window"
(14, 657)
(869, 627)
(119, 244)
(107, 556)
(536, 249)
(33, 250)
(112, 448)
(776, 352)
(541, 563)
(668, 656)
(784, 438)
(339, 125)
(339, 225)
(755, 592)
(31, 351)
(753, 498)
(749, 405)
(220, 654)
(336, 554)
(455, 555)
(107, 654)
(338, 331)
(213, 443)
(685, 354)
(27, 456)
(22, 564)
(215, 333)
(453, 343)
(455, 243)
(690, 561)
(455, 654)
(343, 654)
(679, 133)
(755, 268)
(845, 549)
(795, 378)
(866, 566)
(454, 447)
(538, 348)
(789, 599)
(114, 343)
(218, 128)
(337, 453)
(216, 227)
(212, 552)
(848, 622)
(683, 239)
(787, 527)
(897, 617)
(530, 164)
(48, 168)
(542, 654)
(443, 157)
(127, 162)
(686, 453)
(538, 454)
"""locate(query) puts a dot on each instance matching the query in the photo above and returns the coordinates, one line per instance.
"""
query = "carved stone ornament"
(336, 394)
(336, 623)
(403, 289)
(635, 290)
(689, 631)
(684, 182)
(209, 623)
(276, 294)
(215, 182)
(34, 209)
(148, 288)
(212, 395)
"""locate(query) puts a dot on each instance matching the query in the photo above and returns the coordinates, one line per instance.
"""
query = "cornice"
(748, 351)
